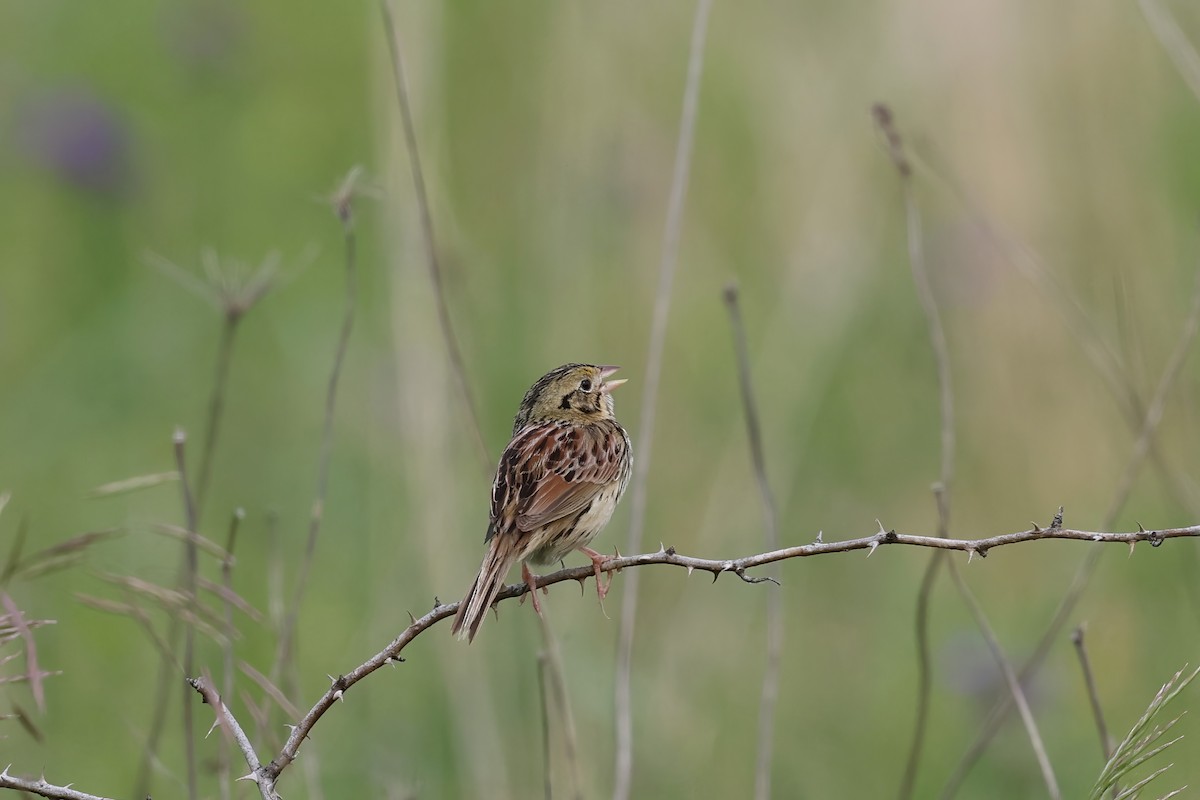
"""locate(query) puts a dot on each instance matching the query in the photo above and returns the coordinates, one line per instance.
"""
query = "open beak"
(607, 385)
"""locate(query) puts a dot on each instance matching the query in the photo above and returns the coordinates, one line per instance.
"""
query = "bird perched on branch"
(556, 486)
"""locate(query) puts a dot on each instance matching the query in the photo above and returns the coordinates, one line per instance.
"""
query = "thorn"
(662, 548)
(1132, 544)
(1036, 529)
(248, 777)
(881, 528)
(1140, 528)
(291, 728)
(820, 537)
(340, 696)
(1098, 537)
(212, 727)
(411, 617)
(617, 550)
(874, 547)
(690, 570)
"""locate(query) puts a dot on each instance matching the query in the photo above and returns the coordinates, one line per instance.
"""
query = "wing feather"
(552, 470)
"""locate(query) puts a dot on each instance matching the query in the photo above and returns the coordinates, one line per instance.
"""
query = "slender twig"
(431, 249)
(192, 565)
(1154, 411)
(216, 403)
(623, 692)
(33, 672)
(557, 681)
(543, 696)
(229, 723)
(227, 651)
(1010, 677)
(1087, 566)
(716, 568)
(1089, 683)
(342, 206)
(941, 353)
(770, 684)
(924, 675)
(43, 789)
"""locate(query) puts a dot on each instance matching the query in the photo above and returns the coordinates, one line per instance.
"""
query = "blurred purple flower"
(78, 137)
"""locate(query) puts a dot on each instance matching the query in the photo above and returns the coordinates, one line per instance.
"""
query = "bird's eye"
(586, 384)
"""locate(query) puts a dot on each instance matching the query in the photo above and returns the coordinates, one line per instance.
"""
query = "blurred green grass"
(548, 133)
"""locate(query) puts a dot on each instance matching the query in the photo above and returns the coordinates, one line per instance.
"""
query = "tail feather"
(488, 583)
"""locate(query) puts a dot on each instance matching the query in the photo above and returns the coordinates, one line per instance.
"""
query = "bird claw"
(598, 560)
(531, 581)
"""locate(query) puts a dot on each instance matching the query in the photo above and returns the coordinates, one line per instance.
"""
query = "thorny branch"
(226, 720)
(266, 775)
(43, 789)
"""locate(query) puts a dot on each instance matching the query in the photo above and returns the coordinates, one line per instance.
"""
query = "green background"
(548, 132)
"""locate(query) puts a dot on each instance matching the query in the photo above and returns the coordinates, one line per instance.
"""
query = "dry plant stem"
(42, 789)
(1010, 677)
(287, 633)
(668, 556)
(33, 672)
(547, 785)
(227, 649)
(770, 685)
(192, 565)
(557, 687)
(1089, 682)
(227, 721)
(1087, 567)
(435, 268)
(941, 353)
(216, 406)
(924, 676)
(623, 700)
(216, 403)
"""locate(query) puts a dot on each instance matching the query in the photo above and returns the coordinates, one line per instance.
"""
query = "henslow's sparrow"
(556, 487)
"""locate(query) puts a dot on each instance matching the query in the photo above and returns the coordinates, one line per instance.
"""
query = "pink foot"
(531, 581)
(598, 560)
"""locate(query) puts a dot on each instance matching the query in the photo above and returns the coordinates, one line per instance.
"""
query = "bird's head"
(572, 393)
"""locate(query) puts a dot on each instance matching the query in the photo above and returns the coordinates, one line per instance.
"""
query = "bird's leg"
(598, 559)
(531, 581)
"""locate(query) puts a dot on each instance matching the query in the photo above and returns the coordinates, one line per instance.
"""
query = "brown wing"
(551, 471)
